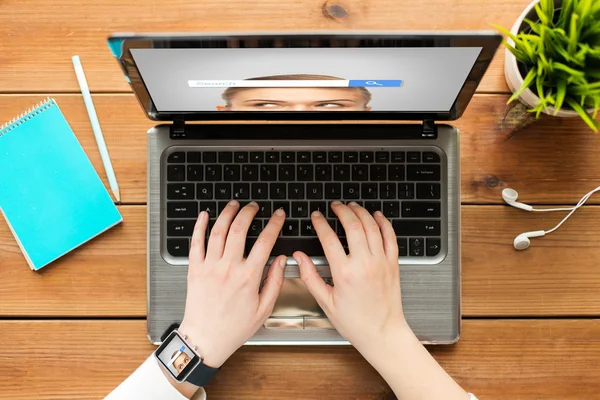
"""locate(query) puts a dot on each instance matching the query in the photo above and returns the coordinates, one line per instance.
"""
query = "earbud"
(510, 196)
(522, 241)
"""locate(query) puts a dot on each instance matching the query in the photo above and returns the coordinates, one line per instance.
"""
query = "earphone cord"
(581, 202)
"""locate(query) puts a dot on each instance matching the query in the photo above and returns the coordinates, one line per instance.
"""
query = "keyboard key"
(423, 173)
(240, 157)
(291, 227)
(182, 209)
(323, 173)
(369, 190)
(288, 245)
(288, 157)
(428, 191)
(176, 157)
(231, 173)
(367, 157)
(256, 227)
(249, 173)
(213, 173)
(398, 156)
(180, 227)
(287, 173)
(391, 209)
(339, 229)
(264, 209)
(335, 157)
(257, 157)
(420, 209)
(379, 172)
(194, 173)
(268, 173)
(360, 172)
(259, 191)
(277, 191)
(178, 247)
(299, 209)
(351, 191)
(402, 247)
(431, 157)
(396, 173)
(210, 206)
(180, 191)
(223, 191)
(317, 206)
(413, 157)
(382, 157)
(372, 206)
(282, 204)
(331, 223)
(176, 173)
(341, 173)
(307, 228)
(433, 246)
(272, 157)
(406, 190)
(330, 213)
(305, 173)
(314, 191)
(417, 227)
(333, 191)
(296, 191)
(387, 191)
(220, 207)
(193, 157)
(209, 157)
(416, 247)
(204, 191)
(225, 157)
(304, 157)
(241, 191)
(351, 156)
(319, 157)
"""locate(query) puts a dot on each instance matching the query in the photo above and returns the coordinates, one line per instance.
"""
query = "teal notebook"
(50, 194)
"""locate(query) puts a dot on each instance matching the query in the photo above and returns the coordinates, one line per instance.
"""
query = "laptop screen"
(408, 79)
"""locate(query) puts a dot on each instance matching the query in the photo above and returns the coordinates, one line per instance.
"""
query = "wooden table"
(531, 323)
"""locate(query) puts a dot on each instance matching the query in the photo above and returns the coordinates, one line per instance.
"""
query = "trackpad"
(296, 301)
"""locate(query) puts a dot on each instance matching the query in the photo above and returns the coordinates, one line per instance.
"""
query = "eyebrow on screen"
(283, 101)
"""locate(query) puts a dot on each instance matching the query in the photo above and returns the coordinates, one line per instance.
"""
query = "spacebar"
(311, 246)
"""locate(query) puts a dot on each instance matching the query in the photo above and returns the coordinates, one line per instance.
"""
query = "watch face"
(177, 357)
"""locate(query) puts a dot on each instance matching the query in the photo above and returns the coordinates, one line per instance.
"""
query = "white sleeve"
(149, 383)
(472, 396)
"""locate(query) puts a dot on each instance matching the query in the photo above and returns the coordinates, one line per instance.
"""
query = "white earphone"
(522, 241)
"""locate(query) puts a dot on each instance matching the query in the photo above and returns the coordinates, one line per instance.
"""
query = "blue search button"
(375, 83)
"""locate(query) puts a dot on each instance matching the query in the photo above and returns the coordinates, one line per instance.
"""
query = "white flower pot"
(513, 76)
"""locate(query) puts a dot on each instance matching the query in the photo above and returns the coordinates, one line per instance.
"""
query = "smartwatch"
(178, 356)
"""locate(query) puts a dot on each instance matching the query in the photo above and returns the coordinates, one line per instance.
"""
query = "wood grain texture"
(558, 275)
(552, 161)
(36, 47)
(525, 359)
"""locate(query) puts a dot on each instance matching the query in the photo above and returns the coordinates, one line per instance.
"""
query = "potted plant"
(553, 59)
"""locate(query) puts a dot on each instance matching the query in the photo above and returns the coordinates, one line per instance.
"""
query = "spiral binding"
(26, 116)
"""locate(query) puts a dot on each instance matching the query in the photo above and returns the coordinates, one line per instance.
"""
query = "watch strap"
(201, 375)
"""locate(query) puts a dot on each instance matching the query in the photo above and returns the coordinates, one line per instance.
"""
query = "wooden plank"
(524, 359)
(558, 275)
(33, 62)
(552, 161)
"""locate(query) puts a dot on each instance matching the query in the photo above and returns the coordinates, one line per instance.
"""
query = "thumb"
(313, 281)
(272, 287)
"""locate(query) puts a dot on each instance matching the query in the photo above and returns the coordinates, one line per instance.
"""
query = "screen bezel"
(189, 368)
(121, 44)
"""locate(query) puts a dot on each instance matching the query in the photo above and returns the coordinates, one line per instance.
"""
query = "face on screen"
(176, 357)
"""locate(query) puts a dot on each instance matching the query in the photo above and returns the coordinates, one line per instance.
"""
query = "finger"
(334, 252)
(357, 240)
(272, 286)
(390, 244)
(236, 238)
(313, 281)
(259, 255)
(218, 233)
(198, 240)
(370, 227)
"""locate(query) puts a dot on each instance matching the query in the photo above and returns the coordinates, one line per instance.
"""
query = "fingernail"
(283, 262)
(253, 204)
(280, 212)
(298, 260)
(203, 215)
(317, 214)
(379, 213)
(336, 202)
(353, 204)
(233, 203)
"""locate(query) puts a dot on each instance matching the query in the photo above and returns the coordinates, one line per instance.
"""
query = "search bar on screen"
(294, 83)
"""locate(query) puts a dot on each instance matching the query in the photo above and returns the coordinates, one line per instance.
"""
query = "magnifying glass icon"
(372, 83)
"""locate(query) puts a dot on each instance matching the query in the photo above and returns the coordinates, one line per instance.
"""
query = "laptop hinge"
(429, 129)
(178, 129)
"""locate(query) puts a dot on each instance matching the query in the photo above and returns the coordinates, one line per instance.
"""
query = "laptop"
(286, 119)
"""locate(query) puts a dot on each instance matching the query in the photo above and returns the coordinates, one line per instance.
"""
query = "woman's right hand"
(365, 302)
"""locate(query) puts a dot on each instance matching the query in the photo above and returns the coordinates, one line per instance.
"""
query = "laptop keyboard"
(404, 185)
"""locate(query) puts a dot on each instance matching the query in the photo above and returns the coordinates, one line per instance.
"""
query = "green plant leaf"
(528, 81)
(561, 92)
(583, 114)
(541, 14)
(570, 70)
(535, 27)
(573, 35)
(565, 13)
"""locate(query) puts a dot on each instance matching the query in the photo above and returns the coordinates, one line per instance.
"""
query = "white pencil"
(87, 98)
